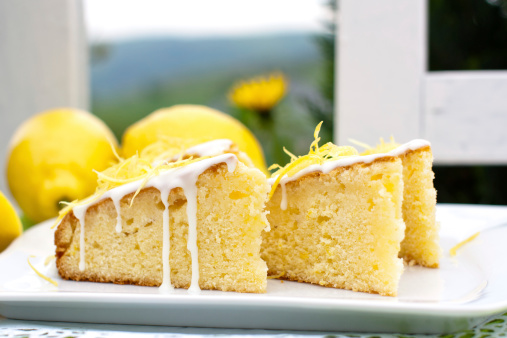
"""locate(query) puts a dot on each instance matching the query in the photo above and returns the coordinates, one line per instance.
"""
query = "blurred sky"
(122, 19)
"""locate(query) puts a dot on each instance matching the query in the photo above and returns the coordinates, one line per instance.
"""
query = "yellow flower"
(261, 93)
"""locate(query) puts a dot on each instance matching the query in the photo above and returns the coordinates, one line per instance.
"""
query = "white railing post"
(384, 87)
(381, 61)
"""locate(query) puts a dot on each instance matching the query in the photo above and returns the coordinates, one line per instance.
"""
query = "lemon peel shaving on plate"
(142, 167)
(317, 155)
(46, 278)
(455, 248)
(382, 147)
(49, 259)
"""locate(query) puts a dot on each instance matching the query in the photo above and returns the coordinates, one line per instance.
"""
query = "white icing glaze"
(182, 177)
(166, 286)
(191, 194)
(211, 148)
(344, 162)
(412, 145)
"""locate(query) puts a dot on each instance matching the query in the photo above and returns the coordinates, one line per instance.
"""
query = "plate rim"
(86, 298)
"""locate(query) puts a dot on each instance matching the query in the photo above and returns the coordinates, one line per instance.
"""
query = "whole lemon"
(52, 157)
(10, 225)
(192, 122)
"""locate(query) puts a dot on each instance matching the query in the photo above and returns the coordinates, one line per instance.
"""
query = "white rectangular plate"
(465, 291)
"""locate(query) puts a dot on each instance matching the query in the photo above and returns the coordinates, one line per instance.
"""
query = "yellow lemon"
(10, 225)
(192, 122)
(52, 157)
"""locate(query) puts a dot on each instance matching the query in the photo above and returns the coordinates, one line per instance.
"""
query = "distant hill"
(133, 65)
(130, 79)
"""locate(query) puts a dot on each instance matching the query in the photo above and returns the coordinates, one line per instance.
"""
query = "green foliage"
(288, 125)
(321, 107)
(467, 34)
(26, 222)
(207, 85)
(471, 184)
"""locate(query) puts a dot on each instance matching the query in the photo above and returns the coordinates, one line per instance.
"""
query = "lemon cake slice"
(193, 223)
(421, 244)
(336, 220)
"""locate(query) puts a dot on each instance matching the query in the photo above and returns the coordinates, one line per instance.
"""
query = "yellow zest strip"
(285, 170)
(275, 166)
(360, 144)
(120, 167)
(70, 205)
(316, 155)
(110, 179)
(40, 274)
(49, 259)
(455, 248)
(382, 147)
(292, 156)
(135, 168)
(113, 147)
(145, 181)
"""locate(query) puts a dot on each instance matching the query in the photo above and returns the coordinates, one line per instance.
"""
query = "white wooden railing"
(384, 88)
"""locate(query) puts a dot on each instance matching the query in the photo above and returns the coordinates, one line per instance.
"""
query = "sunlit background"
(145, 55)
(152, 54)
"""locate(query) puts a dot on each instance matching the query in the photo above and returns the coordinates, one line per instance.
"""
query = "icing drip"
(80, 213)
(187, 179)
(211, 148)
(283, 204)
(116, 198)
(166, 243)
(181, 177)
(190, 190)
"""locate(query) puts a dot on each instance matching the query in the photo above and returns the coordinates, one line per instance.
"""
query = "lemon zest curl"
(153, 160)
(46, 278)
(455, 248)
(381, 148)
(317, 155)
